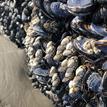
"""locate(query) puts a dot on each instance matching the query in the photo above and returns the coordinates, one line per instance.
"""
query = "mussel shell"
(42, 79)
(40, 72)
(39, 30)
(104, 66)
(94, 82)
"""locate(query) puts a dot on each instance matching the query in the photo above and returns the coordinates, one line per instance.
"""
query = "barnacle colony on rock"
(57, 69)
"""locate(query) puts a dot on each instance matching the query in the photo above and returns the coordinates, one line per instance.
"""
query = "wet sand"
(15, 88)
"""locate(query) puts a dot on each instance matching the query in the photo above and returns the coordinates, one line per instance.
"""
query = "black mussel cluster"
(63, 59)
(13, 15)
(61, 72)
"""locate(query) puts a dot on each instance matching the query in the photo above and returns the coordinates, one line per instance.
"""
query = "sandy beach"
(15, 88)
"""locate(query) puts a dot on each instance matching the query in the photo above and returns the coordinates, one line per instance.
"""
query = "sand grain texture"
(15, 88)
